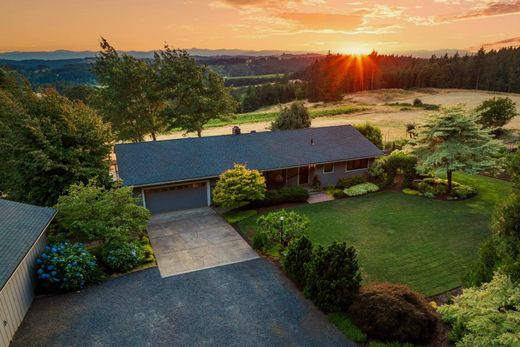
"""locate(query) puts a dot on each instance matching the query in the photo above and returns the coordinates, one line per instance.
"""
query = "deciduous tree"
(496, 112)
(295, 116)
(129, 96)
(48, 143)
(372, 133)
(195, 94)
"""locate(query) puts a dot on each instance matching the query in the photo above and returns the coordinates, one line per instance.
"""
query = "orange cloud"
(512, 42)
(492, 9)
(324, 21)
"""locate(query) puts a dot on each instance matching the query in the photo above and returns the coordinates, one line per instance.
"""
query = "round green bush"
(333, 277)
(122, 256)
(299, 253)
(394, 312)
(414, 192)
(66, 266)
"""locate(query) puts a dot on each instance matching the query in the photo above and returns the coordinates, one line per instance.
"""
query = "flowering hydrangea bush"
(66, 266)
(122, 256)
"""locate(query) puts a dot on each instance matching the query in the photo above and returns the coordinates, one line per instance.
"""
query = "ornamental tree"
(239, 186)
(496, 112)
(454, 141)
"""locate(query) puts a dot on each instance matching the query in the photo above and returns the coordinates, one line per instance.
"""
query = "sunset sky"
(298, 25)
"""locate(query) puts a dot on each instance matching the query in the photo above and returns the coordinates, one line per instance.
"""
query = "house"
(22, 239)
(180, 174)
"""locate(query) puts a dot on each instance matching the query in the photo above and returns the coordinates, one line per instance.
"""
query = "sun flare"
(356, 50)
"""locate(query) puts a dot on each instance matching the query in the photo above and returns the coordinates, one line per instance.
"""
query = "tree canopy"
(173, 91)
(372, 133)
(452, 141)
(90, 212)
(295, 116)
(48, 143)
(496, 112)
(130, 97)
(238, 186)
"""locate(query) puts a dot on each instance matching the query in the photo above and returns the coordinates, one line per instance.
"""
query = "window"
(357, 164)
(328, 168)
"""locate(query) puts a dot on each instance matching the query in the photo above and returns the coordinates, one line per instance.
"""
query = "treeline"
(64, 72)
(332, 76)
(253, 97)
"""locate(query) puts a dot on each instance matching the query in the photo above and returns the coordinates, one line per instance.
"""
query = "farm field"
(371, 108)
(426, 244)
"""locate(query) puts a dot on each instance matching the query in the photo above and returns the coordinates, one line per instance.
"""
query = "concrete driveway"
(191, 240)
(249, 304)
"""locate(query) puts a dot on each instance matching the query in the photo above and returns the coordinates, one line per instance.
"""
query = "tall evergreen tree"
(453, 141)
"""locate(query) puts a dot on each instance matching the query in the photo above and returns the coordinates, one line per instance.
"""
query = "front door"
(303, 177)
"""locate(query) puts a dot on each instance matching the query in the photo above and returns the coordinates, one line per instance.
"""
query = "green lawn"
(266, 76)
(256, 117)
(426, 244)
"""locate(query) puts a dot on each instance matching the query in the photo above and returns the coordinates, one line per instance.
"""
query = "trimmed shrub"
(283, 226)
(348, 182)
(506, 231)
(66, 266)
(283, 195)
(239, 186)
(260, 241)
(485, 266)
(333, 277)
(463, 192)
(394, 312)
(122, 256)
(361, 189)
(400, 162)
(414, 192)
(299, 253)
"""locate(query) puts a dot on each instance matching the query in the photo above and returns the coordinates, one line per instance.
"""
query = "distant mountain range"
(66, 54)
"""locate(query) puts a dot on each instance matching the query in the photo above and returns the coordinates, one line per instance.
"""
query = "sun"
(356, 50)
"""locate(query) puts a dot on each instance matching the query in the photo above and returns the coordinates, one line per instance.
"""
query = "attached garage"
(177, 197)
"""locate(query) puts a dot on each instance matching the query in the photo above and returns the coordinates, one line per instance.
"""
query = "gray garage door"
(174, 198)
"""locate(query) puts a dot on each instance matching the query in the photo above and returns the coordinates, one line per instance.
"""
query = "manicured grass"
(235, 216)
(256, 117)
(426, 244)
(347, 327)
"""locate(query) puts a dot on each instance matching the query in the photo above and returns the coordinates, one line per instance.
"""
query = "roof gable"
(155, 162)
(20, 226)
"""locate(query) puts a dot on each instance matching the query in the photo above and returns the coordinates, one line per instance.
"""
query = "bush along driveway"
(245, 304)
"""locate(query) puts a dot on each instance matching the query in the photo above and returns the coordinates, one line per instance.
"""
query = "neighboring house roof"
(155, 162)
(20, 227)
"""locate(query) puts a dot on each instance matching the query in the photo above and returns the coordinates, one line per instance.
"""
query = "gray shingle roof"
(148, 163)
(20, 227)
